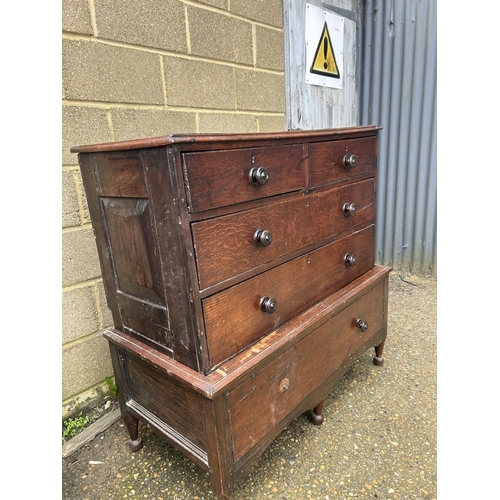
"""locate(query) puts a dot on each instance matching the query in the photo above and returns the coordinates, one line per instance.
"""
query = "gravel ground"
(378, 439)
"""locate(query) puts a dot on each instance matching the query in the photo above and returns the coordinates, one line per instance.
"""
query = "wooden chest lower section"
(225, 420)
(284, 383)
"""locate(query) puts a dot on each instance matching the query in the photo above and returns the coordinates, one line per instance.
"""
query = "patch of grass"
(73, 426)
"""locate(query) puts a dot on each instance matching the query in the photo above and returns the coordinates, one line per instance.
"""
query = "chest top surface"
(218, 141)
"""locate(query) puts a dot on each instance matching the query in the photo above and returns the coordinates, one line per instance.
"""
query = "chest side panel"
(175, 406)
(133, 202)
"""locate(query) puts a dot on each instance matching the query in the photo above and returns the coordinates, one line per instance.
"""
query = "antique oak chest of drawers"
(240, 273)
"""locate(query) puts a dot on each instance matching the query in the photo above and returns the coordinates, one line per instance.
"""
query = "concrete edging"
(90, 433)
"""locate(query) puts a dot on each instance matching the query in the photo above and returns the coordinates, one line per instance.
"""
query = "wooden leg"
(219, 446)
(378, 360)
(317, 414)
(132, 425)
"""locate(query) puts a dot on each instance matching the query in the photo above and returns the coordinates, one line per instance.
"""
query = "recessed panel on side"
(136, 268)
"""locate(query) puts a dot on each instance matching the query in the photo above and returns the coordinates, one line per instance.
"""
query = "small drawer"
(229, 245)
(220, 178)
(238, 316)
(336, 160)
(264, 400)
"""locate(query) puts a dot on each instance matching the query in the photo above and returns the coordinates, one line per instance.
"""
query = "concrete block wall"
(135, 69)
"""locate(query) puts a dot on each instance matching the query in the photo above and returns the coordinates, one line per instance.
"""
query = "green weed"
(73, 426)
(112, 386)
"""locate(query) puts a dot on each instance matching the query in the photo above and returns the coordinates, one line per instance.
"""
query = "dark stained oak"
(326, 159)
(239, 269)
(225, 246)
(328, 346)
(219, 178)
(208, 142)
(295, 285)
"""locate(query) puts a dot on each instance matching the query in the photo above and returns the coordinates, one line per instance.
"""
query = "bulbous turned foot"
(378, 360)
(132, 425)
(135, 445)
(316, 415)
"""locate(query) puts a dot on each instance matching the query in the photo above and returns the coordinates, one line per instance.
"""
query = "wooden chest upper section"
(207, 243)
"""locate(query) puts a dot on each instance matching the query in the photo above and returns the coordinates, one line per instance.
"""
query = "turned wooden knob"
(268, 305)
(262, 237)
(349, 161)
(350, 260)
(258, 176)
(362, 325)
(349, 209)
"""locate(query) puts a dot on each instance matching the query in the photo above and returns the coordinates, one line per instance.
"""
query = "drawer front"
(221, 178)
(327, 159)
(225, 246)
(264, 400)
(234, 318)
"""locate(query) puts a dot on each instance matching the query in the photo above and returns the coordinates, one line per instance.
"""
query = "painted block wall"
(139, 69)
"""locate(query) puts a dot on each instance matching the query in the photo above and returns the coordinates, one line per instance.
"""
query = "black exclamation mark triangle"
(325, 50)
(324, 62)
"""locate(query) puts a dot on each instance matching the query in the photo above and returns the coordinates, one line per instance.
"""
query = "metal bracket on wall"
(350, 14)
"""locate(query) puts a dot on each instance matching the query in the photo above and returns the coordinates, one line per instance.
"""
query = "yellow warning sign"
(324, 62)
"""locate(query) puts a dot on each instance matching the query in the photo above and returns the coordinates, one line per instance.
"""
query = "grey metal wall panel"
(398, 91)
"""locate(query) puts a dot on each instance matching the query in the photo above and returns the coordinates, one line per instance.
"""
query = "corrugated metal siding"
(398, 91)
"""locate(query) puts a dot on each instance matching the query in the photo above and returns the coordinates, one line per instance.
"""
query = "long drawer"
(264, 400)
(221, 178)
(226, 247)
(240, 315)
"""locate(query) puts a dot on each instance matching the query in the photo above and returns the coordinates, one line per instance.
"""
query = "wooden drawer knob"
(350, 260)
(349, 209)
(268, 305)
(362, 325)
(258, 176)
(349, 161)
(262, 237)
